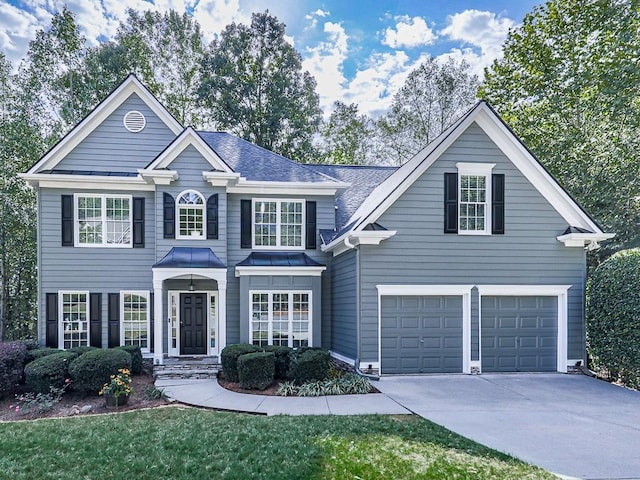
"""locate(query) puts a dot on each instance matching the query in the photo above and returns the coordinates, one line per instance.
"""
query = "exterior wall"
(344, 298)
(111, 147)
(420, 253)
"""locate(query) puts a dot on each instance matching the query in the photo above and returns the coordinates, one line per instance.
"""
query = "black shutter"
(169, 211)
(497, 203)
(51, 339)
(310, 228)
(95, 319)
(245, 223)
(212, 217)
(151, 322)
(450, 203)
(114, 320)
(138, 222)
(67, 221)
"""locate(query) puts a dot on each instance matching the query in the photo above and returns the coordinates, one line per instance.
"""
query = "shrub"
(282, 359)
(81, 350)
(41, 352)
(136, 358)
(256, 370)
(92, 370)
(613, 318)
(12, 360)
(287, 389)
(49, 371)
(309, 364)
(229, 358)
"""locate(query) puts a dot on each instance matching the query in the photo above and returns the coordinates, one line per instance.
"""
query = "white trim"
(476, 170)
(343, 358)
(220, 179)
(131, 85)
(370, 237)
(61, 294)
(279, 202)
(432, 290)
(158, 177)
(175, 352)
(584, 239)
(189, 137)
(365, 366)
(559, 291)
(88, 182)
(203, 207)
(103, 197)
(245, 271)
(127, 123)
(141, 293)
(290, 293)
(285, 188)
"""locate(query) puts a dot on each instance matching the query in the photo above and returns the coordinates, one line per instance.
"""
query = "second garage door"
(519, 334)
(421, 334)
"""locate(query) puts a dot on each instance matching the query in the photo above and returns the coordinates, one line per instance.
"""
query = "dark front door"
(193, 323)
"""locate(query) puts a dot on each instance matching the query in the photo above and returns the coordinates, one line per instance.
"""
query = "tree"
(254, 86)
(568, 86)
(433, 97)
(346, 136)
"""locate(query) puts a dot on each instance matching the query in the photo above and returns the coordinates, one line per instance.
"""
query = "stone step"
(187, 366)
(186, 373)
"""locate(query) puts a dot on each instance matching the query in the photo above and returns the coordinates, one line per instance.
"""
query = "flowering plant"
(42, 402)
(119, 384)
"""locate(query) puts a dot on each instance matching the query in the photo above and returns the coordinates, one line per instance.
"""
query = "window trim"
(142, 293)
(104, 244)
(479, 170)
(278, 202)
(61, 294)
(203, 233)
(270, 294)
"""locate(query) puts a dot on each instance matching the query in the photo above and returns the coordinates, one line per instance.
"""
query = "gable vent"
(134, 121)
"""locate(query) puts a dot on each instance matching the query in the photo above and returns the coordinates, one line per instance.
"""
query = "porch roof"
(279, 259)
(187, 257)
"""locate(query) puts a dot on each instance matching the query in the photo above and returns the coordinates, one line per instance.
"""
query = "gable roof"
(131, 85)
(385, 194)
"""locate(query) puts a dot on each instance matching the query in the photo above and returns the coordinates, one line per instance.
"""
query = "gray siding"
(111, 147)
(420, 253)
(344, 295)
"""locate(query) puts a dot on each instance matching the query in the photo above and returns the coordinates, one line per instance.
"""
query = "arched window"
(190, 215)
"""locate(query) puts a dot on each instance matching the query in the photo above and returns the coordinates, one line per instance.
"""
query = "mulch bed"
(269, 391)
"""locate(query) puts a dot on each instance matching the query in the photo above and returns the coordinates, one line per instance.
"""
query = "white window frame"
(278, 202)
(203, 234)
(141, 293)
(61, 322)
(104, 244)
(270, 294)
(477, 170)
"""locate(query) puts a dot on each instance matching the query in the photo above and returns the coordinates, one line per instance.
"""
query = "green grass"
(181, 443)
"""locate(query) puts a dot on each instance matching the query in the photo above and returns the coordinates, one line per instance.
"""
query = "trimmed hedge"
(92, 370)
(613, 318)
(42, 352)
(256, 370)
(49, 371)
(82, 350)
(309, 365)
(282, 359)
(229, 359)
(12, 359)
(136, 358)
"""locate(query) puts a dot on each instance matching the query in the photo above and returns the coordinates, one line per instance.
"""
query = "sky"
(359, 51)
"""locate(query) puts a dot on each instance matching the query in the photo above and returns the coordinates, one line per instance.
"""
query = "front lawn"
(184, 443)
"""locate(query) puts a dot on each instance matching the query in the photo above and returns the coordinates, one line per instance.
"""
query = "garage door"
(421, 334)
(519, 334)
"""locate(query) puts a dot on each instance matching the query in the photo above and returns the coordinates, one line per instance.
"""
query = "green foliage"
(81, 350)
(253, 86)
(92, 370)
(12, 360)
(39, 402)
(136, 358)
(309, 364)
(229, 359)
(49, 371)
(346, 136)
(42, 352)
(287, 389)
(566, 84)
(256, 370)
(613, 317)
(282, 359)
(347, 384)
(153, 393)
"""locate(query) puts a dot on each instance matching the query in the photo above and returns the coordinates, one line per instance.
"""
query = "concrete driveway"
(571, 425)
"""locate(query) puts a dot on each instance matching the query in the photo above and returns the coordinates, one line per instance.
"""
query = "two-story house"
(469, 257)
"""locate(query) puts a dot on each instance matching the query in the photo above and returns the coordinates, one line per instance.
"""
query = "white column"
(222, 314)
(158, 323)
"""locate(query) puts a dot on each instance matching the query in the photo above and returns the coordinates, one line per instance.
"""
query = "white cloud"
(214, 15)
(322, 13)
(410, 33)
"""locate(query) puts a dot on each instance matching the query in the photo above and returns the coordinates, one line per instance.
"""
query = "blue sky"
(358, 50)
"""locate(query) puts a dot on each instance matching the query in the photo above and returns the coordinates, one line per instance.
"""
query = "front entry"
(193, 324)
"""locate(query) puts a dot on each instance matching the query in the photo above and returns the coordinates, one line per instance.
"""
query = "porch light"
(191, 286)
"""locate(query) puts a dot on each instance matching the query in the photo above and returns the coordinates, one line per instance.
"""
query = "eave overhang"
(584, 240)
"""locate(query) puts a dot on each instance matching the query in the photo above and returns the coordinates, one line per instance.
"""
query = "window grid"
(103, 220)
(260, 319)
(280, 318)
(291, 224)
(135, 320)
(280, 335)
(118, 220)
(190, 215)
(212, 316)
(90, 220)
(266, 223)
(75, 325)
(473, 194)
(300, 320)
(278, 223)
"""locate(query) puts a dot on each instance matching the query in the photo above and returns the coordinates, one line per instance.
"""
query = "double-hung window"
(74, 318)
(474, 193)
(281, 318)
(103, 220)
(278, 224)
(135, 319)
(190, 213)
